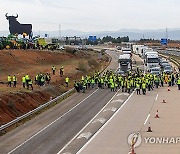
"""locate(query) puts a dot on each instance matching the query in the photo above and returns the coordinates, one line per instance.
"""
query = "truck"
(137, 49)
(145, 51)
(125, 62)
(151, 60)
(126, 51)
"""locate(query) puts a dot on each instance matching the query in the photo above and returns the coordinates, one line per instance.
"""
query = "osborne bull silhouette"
(16, 28)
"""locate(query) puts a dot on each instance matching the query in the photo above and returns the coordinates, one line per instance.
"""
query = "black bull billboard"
(16, 28)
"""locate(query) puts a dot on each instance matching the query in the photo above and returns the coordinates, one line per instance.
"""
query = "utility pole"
(59, 31)
(166, 33)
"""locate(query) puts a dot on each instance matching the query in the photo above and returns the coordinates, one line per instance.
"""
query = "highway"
(134, 116)
(50, 131)
(170, 52)
(98, 121)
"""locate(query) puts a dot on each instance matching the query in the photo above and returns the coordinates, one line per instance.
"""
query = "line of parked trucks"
(152, 61)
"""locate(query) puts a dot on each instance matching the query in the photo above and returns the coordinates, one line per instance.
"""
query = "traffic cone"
(168, 89)
(149, 128)
(163, 101)
(132, 150)
(157, 116)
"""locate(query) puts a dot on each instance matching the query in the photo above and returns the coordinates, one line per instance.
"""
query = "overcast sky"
(93, 15)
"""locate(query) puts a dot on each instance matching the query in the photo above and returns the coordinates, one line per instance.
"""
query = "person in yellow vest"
(128, 86)
(9, 80)
(27, 79)
(24, 81)
(30, 84)
(82, 78)
(144, 88)
(178, 83)
(138, 88)
(53, 69)
(14, 81)
(92, 82)
(67, 81)
(112, 86)
(166, 78)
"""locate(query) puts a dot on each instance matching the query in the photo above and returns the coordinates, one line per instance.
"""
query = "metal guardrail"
(171, 59)
(34, 111)
(37, 109)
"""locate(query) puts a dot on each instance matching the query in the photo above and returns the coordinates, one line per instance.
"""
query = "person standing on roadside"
(53, 69)
(178, 83)
(14, 81)
(9, 81)
(30, 84)
(61, 71)
(67, 81)
(27, 79)
(24, 81)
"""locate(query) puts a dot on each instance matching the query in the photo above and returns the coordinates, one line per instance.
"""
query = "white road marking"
(118, 100)
(87, 124)
(67, 153)
(113, 109)
(125, 94)
(51, 123)
(146, 119)
(101, 120)
(156, 97)
(104, 125)
(85, 135)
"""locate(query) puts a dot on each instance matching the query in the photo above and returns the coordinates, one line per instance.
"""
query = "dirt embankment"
(17, 101)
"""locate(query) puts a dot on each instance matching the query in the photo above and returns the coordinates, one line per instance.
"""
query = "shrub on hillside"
(82, 67)
(70, 50)
(92, 63)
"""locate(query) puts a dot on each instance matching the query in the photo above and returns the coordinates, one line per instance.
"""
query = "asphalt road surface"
(170, 52)
(50, 131)
(134, 116)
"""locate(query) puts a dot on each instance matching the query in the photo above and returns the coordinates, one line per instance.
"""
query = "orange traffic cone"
(168, 89)
(157, 116)
(163, 101)
(132, 150)
(149, 128)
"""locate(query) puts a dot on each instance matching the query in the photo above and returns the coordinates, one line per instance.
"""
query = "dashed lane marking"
(87, 124)
(125, 94)
(105, 124)
(52, 123)
(118, 100)
(85, 135)
(146, 119)
(101, 120)
(113, 109)
(156, 97)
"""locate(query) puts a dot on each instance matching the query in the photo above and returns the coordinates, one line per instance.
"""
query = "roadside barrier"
(35, 110)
